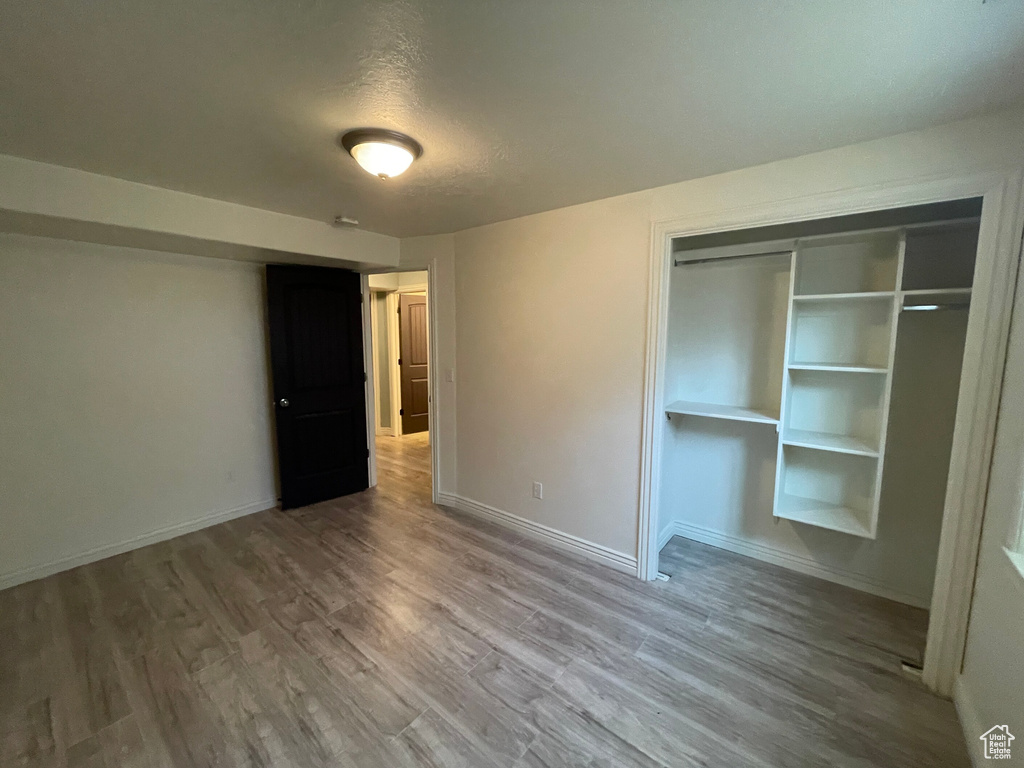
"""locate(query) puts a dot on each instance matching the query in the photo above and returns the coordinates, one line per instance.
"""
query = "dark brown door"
(412, 330)
(316, 355)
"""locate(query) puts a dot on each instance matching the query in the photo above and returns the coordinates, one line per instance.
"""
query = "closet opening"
(812, 377)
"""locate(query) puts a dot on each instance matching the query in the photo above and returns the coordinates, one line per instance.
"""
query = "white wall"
(115, 364)
(550, 333)
(50, 200)
(991, 688)
(551, 322)
(408, 279)
(391, 281)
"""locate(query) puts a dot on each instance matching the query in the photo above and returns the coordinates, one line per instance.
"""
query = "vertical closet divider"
(897, 300)
(783, 405)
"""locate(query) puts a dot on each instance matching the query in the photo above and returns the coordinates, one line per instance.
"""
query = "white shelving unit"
(826, 441)
(835, 517)
(831, 365)
(728, 412)
(798, 373)
(834, 297)
(934, 298)
(837, 368)
(841, 342)
(937, 293)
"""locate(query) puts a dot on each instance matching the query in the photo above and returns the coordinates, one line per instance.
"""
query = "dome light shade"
(381, 152)
(381, 159)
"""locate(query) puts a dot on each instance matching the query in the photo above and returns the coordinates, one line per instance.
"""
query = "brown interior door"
(316, 355)
(412, 330)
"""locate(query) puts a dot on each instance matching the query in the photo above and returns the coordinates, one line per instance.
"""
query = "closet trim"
(999, 244)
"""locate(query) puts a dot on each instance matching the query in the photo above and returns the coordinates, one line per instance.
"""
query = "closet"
(811, 386)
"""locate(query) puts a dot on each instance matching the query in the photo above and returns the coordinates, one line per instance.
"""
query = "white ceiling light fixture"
(383, 153)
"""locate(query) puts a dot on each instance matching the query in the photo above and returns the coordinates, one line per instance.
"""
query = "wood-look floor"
(379, 630)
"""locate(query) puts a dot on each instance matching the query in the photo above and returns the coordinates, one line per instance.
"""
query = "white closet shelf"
(861, 296)
(729, 412)
(835, 517)
(825, 441)
(837, 368)
(926, 292)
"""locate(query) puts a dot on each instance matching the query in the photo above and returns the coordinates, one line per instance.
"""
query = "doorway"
(399, 341)
(994, 277)
(811, 388)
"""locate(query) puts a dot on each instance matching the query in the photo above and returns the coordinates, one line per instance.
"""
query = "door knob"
(283, 402)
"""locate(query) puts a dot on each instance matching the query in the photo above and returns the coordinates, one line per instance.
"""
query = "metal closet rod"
(716, 259)
(936, 307)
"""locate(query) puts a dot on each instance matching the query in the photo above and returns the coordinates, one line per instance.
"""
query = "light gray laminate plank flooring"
(380, 630)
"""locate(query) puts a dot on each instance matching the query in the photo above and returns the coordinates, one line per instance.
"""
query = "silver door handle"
(283, 402)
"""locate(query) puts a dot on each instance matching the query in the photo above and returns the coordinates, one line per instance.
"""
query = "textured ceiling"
(521, 105)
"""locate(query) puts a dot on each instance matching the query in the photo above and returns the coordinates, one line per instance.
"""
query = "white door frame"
(395, 340)
(432, 371)
(995, 276)
(376, 339)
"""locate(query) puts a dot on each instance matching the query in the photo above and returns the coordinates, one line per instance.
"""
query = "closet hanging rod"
(936, 307)
(685, 262)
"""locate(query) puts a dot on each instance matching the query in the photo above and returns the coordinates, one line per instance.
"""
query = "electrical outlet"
(449, 375)
(538, 490)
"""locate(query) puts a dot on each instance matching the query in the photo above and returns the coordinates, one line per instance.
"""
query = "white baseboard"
(970, 722)
(665, 536)
(610, 557)
(33, 572)
(789, 560)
